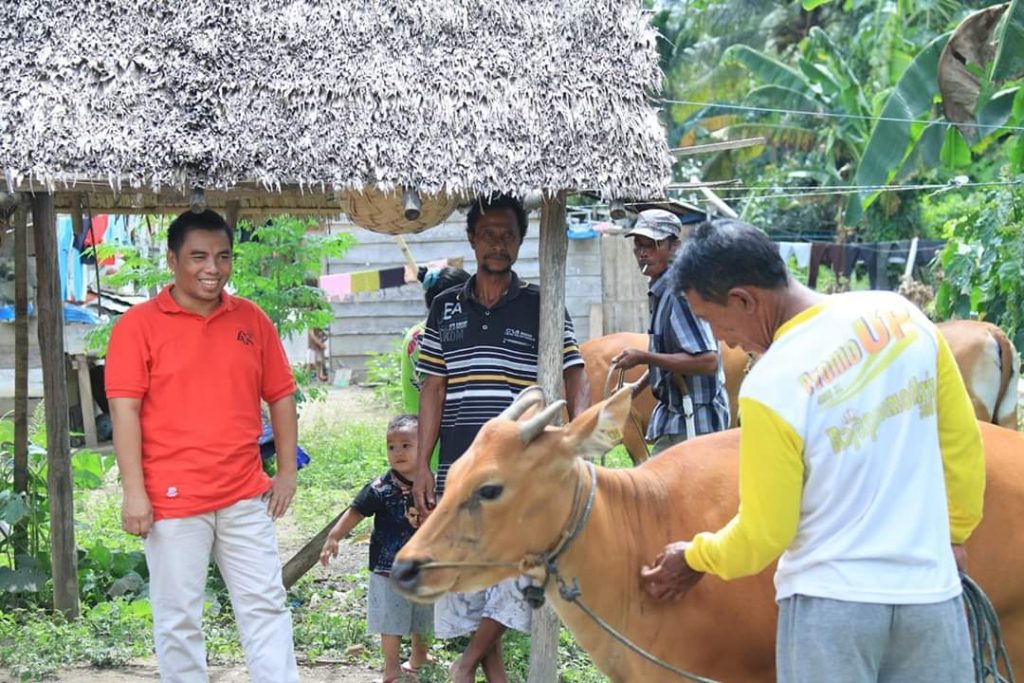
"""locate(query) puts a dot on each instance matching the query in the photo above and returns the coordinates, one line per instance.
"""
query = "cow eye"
(489, 492)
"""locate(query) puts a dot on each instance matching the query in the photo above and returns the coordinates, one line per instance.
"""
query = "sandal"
(408, 668)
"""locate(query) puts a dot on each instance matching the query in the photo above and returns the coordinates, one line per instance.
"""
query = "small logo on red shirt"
(245, 337)
(172, 491)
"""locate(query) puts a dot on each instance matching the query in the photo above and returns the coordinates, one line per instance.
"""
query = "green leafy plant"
(384, 374)
(983, 263)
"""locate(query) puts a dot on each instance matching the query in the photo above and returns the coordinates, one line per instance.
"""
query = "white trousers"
(242, 541)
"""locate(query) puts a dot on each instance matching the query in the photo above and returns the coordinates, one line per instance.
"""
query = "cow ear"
(599, 429)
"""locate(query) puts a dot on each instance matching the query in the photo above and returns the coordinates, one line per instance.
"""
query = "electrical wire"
(824, 114)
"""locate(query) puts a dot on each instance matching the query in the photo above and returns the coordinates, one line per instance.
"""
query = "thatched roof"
(460, 96)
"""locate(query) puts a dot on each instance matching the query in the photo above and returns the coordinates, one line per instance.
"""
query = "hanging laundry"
(366, 281)
(825, 254)
(336, 287)
(801, 251)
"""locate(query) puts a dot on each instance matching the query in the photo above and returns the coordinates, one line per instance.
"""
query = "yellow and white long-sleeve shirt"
(860, 459)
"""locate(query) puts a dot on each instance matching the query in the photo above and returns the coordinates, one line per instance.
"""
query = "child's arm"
(349, 519)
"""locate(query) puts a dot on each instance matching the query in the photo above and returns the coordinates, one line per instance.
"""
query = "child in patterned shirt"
(386, 499)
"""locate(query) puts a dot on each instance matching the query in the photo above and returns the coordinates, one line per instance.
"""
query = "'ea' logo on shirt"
(172, 491)
(451, 308)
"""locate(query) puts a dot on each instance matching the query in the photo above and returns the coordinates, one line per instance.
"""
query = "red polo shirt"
(200, 381)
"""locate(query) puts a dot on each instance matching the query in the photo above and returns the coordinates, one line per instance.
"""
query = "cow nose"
(406, 574)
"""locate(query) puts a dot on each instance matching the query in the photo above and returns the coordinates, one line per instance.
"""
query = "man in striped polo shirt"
(686, 374)
(478, 351)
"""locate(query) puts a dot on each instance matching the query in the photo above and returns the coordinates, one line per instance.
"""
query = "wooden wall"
(600, 273)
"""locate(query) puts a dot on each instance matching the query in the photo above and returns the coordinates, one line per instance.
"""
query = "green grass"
(329, 614)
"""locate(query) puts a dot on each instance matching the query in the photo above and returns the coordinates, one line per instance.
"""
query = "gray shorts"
(457, 614)
(839, 642)
(390, 614)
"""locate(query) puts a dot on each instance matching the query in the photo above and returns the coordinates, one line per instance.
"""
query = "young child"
(385, 499)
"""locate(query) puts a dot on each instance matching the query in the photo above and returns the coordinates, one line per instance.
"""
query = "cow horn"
(532, 428)
(527, 398)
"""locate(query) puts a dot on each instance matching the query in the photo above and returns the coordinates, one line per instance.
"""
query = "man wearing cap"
(686, 374)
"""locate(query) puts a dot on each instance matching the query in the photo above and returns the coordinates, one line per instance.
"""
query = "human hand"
(136, 514)
(670, 577)
(329, 552)
(960, 555)
(282, 490)
(423, 492)
(628, 358)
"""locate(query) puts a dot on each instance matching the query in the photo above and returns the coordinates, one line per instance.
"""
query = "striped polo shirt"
(488, 355)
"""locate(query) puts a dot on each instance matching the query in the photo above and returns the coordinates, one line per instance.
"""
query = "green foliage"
(384, 374)
(275, 266)
(983, 263)
(36, 644)
(1009, 61)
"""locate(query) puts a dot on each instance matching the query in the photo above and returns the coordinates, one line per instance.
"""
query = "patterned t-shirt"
(488, 355)
(387, 499)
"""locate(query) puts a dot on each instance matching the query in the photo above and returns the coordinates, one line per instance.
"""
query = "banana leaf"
(890, 139)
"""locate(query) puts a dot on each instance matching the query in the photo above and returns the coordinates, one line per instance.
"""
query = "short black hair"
(407, 421)
(190, 220)
(497, 202)
(724, 253)
(446, 278)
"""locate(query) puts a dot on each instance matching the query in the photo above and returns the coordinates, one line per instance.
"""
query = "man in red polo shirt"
(185, 375)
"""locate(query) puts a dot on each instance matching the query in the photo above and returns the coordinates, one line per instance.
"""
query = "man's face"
(737, 322)
(653, 257)
(496, 241)
(201, 267)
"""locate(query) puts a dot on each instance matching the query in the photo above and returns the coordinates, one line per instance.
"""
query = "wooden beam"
(714, 200)
(20, 539)
(85, 400)
(231, 213)
(50, 309)
(302, 561)
(717, 146)
(554, 246)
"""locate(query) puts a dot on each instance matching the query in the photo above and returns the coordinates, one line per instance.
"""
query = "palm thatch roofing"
(136, 102)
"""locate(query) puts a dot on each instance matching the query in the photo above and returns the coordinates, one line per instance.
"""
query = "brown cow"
(987, 360)
(990, 366)
(510, 499)
(598, 354)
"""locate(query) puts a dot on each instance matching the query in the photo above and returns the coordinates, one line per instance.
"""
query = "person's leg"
(420, 654)
(930, 643)
(391, 646)
(178, 556)
(493, 664)
(830, 640)
(246, 552)
(458, 614)
(487, 635)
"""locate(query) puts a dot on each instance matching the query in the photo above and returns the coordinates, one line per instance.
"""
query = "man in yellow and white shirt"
(861, 464)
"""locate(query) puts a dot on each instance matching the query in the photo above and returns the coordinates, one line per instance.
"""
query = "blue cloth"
(268, 448)
(675, 329)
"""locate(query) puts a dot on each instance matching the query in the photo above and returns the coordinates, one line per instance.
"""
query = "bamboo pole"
(554, 246)
(50, 309)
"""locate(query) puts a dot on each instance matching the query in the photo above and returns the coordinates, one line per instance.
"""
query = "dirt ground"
(349, 403)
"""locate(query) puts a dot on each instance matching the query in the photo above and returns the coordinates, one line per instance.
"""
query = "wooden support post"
(554, 246)
(50, 309)
(20, 540)
(85, 400)
(302, 561)
(231, 213)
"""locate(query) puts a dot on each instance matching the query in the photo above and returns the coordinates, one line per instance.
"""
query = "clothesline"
(340, 286)
(823, 114)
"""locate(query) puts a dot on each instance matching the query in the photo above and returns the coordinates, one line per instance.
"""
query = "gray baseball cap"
(657, 224)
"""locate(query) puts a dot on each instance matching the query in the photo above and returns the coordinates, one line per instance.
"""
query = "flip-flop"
(408, 668)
